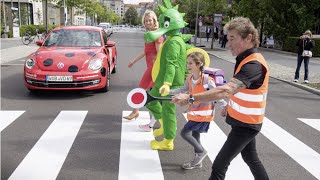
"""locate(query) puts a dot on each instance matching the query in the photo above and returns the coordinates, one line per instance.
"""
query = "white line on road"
(46, 158)
(12, 64)
(297, 150)
(137, 160)
(7, 117)
(315, 123)
(213, 142)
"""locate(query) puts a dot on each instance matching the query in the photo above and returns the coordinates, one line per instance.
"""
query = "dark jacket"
(304, 44)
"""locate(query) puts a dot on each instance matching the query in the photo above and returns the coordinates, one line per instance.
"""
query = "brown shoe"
(131, 116)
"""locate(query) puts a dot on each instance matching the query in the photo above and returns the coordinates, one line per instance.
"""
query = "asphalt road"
(95, 152)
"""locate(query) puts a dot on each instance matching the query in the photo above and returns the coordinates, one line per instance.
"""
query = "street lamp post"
(5, 21)
(19, 13)
(65, 12)
(196, 30)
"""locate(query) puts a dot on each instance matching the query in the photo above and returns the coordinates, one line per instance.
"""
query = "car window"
(74, 38)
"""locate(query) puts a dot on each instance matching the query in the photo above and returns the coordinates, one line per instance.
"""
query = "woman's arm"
(136, 59)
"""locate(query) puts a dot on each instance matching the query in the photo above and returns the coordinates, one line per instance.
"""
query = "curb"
(301, 86)
(285, 52)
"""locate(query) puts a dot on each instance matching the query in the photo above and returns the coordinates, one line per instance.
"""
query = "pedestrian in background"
(305, 44)
(224, 39)
(208, 32)
(247, 91)
(150, 22)
(185, 30)
(199, 115)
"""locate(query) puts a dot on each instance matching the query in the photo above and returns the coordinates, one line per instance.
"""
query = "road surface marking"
(12, 64)
(297, 150)
(213, 142)
(46, 158)
(7, 117)
(137, 160)
(315, 123)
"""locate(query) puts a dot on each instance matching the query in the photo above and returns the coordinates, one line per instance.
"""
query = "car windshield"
(74, 38)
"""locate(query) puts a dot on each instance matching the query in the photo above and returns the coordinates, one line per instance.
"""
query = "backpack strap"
(205, 82)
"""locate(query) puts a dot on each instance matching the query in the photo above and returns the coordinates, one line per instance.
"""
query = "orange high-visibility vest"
(200, 111)
(248, 105)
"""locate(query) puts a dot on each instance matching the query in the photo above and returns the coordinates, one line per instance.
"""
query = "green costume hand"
(165, 89)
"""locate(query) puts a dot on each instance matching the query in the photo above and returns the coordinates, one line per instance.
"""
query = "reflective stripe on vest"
(200, 112)
(248, 105)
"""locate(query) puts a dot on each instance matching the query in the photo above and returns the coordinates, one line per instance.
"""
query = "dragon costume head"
(170, 21)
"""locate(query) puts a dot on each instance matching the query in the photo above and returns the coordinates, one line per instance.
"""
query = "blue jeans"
(240, 140)
(306, 67)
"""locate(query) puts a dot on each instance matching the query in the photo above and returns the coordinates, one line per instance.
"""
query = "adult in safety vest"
(247, 91)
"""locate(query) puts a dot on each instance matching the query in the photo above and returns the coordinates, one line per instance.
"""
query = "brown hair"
(197, 58)
(244, 27)
(153, 15)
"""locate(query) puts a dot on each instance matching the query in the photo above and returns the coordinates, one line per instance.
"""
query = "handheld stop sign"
(138, 97)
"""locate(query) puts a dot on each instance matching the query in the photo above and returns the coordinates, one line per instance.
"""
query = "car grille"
(75, 84)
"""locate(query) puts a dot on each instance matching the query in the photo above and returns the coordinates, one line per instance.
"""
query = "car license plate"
(59, 78)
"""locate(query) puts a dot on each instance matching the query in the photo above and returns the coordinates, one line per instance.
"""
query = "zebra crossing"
(44, 161)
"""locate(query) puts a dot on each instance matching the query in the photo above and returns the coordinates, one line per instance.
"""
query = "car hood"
(62, 59)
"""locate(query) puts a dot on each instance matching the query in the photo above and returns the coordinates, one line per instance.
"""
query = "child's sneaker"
(191, 165)
(145, 127)
(199, 157)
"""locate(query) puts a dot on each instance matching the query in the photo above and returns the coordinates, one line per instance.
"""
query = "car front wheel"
(106, 88)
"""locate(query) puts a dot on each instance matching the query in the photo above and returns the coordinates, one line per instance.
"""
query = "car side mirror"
(110, 44)
(39, 42)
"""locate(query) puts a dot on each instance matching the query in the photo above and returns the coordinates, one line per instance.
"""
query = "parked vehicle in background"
(106, 25)
(72, 57)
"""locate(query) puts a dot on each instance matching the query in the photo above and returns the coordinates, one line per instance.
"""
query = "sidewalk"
(277, 71)
(16, 53)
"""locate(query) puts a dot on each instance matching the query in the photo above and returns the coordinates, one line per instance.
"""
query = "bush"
(290, 45)
(32, 28)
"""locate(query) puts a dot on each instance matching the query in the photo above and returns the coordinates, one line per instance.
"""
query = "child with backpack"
(199, 115)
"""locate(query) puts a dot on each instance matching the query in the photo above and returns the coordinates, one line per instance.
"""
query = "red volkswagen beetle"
(74, 57)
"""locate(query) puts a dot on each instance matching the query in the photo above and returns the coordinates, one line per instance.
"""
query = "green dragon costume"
(168, 72)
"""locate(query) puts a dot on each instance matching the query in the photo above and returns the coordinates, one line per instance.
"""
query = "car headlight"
(29, 63)
(95, 64)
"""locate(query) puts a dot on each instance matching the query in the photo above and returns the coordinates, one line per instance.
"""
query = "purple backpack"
(216, 74)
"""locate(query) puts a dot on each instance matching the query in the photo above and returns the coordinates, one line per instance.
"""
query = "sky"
(135, 1)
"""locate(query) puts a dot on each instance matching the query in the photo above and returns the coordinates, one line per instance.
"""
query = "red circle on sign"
(137, 98)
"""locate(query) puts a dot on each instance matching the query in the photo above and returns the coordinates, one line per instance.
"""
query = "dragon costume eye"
(166, 22)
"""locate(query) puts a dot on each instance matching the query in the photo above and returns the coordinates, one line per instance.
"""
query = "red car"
(74, 57)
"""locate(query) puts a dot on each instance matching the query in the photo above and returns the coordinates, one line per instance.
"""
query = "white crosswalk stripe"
(45, 159)
(135, 147)
(315, 123)
(297, 150)
(213, 142)
(7, 117)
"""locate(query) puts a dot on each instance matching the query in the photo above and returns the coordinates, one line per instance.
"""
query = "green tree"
(131, 16)
(280, 18)
(206, 9)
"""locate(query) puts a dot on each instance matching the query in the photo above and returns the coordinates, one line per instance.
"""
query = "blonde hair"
(308, 32)
(198, 58)
(244, 27)
(153, 16)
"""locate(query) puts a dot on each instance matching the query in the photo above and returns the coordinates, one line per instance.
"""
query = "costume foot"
(158, 132)
(165, 145)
